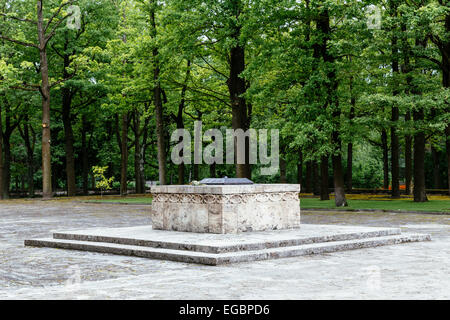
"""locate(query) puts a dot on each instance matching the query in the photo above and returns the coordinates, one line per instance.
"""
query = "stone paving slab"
(214, 259)
(220, 243)
(410, 271)
(217, 249)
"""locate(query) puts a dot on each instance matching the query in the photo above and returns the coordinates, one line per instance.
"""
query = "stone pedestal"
(226, 208)
(207, 225)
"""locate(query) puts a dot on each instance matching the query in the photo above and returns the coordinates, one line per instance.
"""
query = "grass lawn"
(389, 205)
(130, 200)
(355, 202)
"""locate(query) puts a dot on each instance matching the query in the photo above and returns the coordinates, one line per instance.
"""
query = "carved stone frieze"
(227, 198)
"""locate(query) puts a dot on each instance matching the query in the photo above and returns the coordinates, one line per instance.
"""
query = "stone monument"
(226, 206)
(223, 221)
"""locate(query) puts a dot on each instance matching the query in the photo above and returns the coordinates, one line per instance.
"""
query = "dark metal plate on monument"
(226, 181)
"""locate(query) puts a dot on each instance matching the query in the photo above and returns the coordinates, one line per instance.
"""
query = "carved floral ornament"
(226, 198)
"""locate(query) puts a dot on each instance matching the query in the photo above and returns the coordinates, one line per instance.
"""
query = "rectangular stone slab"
(216, 249)
(221, 243)
(226, 208)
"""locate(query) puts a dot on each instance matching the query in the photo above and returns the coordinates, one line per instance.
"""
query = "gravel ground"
(408, 271)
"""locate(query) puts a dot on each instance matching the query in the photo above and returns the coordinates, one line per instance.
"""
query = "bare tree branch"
(56, 51)
(26, 44)
(57, 13)
(53, 32)
(25, 88)
(214, 69)
(60, 81)
(17, 18)
(432, 60)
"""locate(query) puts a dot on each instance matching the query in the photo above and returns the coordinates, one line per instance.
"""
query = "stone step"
(126, 250)
(320, 248)
(145, 236)
(229, 257)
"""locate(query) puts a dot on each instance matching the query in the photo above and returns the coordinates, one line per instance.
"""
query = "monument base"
(217, 249)
(226, 208)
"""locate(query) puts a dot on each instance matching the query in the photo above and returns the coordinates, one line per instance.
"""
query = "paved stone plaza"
(407, 271)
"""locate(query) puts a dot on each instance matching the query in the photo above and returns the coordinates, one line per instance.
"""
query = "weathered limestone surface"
(218, 249)
(415, 270)
(227, 208)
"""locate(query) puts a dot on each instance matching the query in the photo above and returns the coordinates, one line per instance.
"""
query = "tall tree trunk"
(93, 186)
(6, 166)
(139, 187)
(282, 170)
(239, 120)
(180, 122)
(157, 100)
(84, 154)
(142, 160)
(419, 161)
(324, 191)
(384, 145)
(447, 150)
(124, 155)
(349, 171)
(212, 170)
(338, 175)
(195, 174)
(444, 48)
(435, 160)
(436, 168)
(181, 170)
(308, 178)
(237, 87)
(122, 137)
(144, 148)
(1, 154)
(45, 92)
(323, 24)
(161, 144)
(140, 184)
(300, 169)
(408, 159)
(419, 191)
(395, 193)
(68, 141)
(67, 96)
(9, 128)
(316, 178)
(29, 143)
(3, 7)
(406, 69)
(445, 55)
